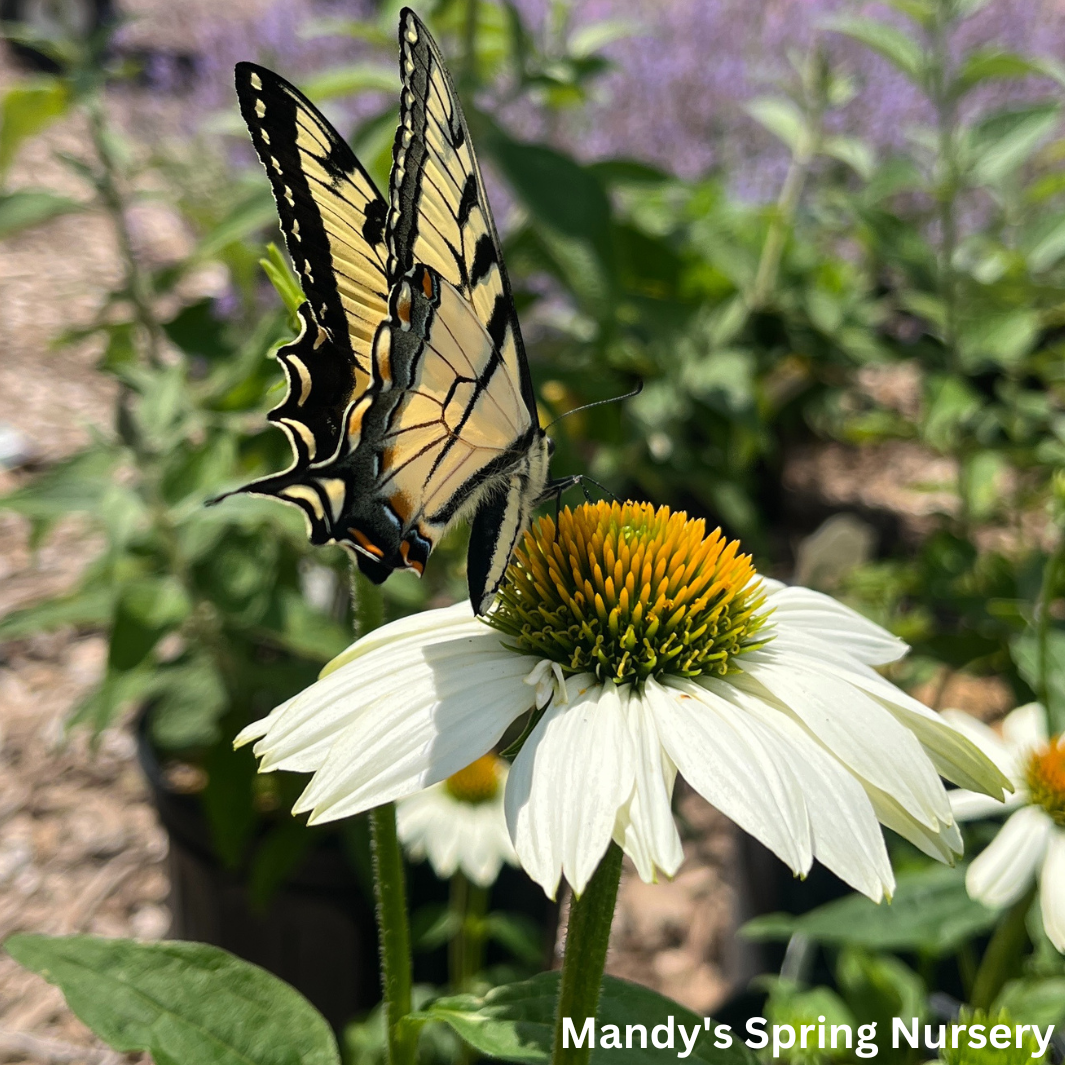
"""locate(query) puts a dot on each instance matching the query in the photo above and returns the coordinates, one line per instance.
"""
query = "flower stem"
(468, 904)
(1001, 960)
(1051, 572)
(390, 894)
(587, 936)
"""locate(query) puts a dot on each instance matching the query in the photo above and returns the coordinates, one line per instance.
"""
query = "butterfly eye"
(550, 447)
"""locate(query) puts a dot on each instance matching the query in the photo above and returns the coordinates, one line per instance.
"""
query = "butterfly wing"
(333, 219)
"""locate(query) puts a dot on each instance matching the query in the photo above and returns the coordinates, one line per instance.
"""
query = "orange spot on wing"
(427, 284)
(414, 564)
(366, 543)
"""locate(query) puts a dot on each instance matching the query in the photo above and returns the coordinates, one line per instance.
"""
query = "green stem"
(587, 937)
(468, 904)
(390, 895)
(469, 46)
(787, 204)
(1002, 958)
(135, 282)
(1046, 597)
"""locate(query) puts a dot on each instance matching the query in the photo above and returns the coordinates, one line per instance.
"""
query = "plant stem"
(587, 937)
(469, 46)
(787, 204)
(1002, 957)
(1046, 597)
(468, 903)
(390, 895)
(137, 286)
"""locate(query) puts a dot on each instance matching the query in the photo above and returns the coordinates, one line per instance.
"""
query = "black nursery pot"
(317, 932)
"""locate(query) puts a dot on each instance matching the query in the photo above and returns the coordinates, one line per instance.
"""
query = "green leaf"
(115, 694)
(516, 1023)
(557, 190)
(1034, 1001)
(282, 278)
(30, 207)
(855, 153)
(783, 119)
(146, 609)
(878, 987)
(981, 483)
(899, 49)
(950, 402)
(185, 1003)
(27, 109)
(89, 607)
(990, 64)
(1025, 652)
(1048, 246)
(999, 338)
(247, 218)
(1006, 140)
(348, 80)
(931, 913)
(187, 701)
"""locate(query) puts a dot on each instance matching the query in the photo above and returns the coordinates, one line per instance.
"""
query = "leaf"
(187, 701)
(899, 49)
(949, 404)
(348, 80)
(1033, 1001)
(146, 609)
(1000, 338)
(981, 483)
(185, 1003)
(89, 607)
(515, 1022)
(990, 64)
(855, 153)
(931, 913)
(246, 219)
(1004, 141)
(557, 190)
(27, 109)
(30, 207)
(283, 279)
(1025, 652)
(783, 119)
(1049, 245)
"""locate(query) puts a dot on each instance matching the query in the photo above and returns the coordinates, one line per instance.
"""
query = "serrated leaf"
(516, 1022)
(181, 1002)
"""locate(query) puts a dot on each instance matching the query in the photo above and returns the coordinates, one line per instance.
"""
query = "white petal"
(1001, 873)
(987, 740)
(422, 732)
(837, 625)
(1052, 889)
(735, 763)
(300, 738)
(944, 843)
(971, 805)
(565, 788)
(645, 828)
(857, 729)
(846, 833)
(436, 622)
(1025, 729)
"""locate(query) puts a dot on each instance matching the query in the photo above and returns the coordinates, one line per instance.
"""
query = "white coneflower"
(1031, 844)
(651, 648)
(459, 823)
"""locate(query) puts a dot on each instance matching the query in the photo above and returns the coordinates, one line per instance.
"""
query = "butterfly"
(409, 405)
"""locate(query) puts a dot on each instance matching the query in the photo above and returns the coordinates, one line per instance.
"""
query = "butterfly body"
(410, 405)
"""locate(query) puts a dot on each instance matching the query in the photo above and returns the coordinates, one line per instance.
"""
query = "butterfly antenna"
(598, 403)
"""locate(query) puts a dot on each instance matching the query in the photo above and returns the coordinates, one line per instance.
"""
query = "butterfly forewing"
(439, 213)
(333, 219)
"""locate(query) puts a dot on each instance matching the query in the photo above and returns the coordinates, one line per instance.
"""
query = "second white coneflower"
(650, 648)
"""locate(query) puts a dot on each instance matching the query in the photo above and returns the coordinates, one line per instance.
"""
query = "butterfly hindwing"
(333, 219)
